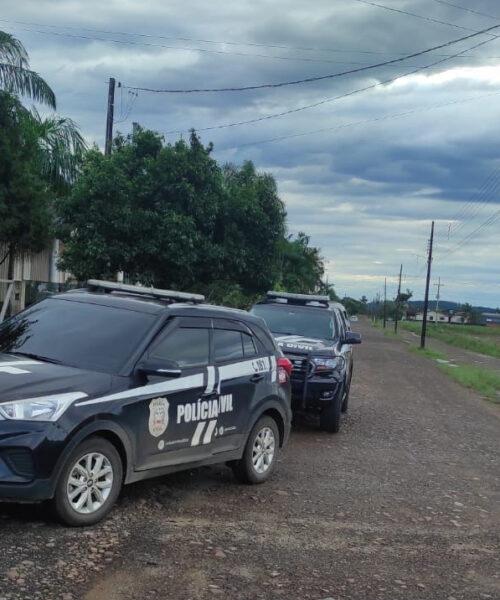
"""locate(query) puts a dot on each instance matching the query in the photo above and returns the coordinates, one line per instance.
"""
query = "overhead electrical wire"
(320, 77)
(423, 17)
(205, 41)
(326, 100)
(470, 10)
(356, 123)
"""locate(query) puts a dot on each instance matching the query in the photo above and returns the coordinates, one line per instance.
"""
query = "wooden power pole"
(110, 116)
(385, 302)
(397, 300)
(427, 283)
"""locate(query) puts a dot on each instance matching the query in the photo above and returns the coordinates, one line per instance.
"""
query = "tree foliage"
(24, 213)
(16, 76)
(169, 215)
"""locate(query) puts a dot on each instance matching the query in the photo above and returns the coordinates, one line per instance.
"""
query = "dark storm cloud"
(389, 159)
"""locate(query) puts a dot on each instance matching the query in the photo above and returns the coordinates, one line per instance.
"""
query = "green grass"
(389, 330)
(461, 336)
(479, 379)
(427, 352)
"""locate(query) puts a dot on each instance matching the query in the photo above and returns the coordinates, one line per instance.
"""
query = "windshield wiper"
(37, 357)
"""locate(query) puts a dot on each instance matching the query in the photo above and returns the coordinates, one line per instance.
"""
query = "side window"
(248, 345)
(227, 345)
(189, 346)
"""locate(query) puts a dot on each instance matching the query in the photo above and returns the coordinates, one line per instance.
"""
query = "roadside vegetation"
(484, 381)
(477, 339)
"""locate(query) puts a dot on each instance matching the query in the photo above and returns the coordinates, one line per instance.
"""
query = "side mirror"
(160, 368)
(352, 338)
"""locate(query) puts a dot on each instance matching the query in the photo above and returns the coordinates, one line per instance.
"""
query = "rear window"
(77, 334)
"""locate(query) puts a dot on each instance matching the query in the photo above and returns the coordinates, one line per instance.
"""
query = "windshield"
(86, 336)
(295, 321)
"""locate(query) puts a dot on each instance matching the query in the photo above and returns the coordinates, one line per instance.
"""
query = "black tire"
(244, 469)
(61, 503)
(345, 400)
(331, 415)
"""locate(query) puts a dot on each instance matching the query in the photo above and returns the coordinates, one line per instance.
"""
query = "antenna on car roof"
(174, 296)
(300, 299)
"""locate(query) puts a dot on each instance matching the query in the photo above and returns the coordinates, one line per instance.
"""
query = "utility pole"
(385, 302)
(397, 300)
(427, 283)
(110, 116)
(438, 296)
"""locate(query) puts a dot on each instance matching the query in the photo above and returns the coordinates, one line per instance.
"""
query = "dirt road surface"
(404, 503)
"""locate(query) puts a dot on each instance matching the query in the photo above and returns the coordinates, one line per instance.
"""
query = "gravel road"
(403, 503)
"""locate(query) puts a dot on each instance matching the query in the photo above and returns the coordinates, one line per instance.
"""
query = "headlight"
(322, 365)
(47, 408)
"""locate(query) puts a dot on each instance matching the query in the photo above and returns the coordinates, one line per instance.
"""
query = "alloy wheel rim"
(90, 482)
(263, 450)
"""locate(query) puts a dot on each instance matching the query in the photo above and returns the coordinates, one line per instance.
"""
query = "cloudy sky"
(363, 175)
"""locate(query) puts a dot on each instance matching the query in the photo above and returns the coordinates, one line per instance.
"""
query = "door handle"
(256, 377)
(209, 394)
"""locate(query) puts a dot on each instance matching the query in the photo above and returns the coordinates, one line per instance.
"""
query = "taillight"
(286, 364)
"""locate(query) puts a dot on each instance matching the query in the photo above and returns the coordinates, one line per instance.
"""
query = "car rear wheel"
(331, 414)
(261, 453)
(89, 484)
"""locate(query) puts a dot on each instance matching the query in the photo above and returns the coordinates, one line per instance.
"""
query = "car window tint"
(227, 345)
(187, 346)
(87, 336)
(248, 345)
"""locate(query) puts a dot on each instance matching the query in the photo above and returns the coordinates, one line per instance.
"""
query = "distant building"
(491, 319)
(439, 317)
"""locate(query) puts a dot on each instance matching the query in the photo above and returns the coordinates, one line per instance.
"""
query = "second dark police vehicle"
(314, 333)
(114, 383)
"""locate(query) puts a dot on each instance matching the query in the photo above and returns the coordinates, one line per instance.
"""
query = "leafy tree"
(16, 76)
(24, 213)
(169, 215)
(302, 267)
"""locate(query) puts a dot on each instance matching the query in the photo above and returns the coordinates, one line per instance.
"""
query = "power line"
(356, 123)
(489, 221)
(405, 12)
(470, 10)
(206, 41)
(325, 100)
(317, 78)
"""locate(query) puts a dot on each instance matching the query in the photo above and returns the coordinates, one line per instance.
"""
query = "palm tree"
(16, 76)
(62, 147)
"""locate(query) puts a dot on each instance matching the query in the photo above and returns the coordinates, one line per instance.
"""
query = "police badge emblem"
(158, 416)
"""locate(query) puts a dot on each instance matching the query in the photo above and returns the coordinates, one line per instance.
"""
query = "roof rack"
(174, 296)
(300, 299)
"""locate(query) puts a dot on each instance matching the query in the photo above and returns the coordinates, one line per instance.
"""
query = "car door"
(244, 373)
(167, 423)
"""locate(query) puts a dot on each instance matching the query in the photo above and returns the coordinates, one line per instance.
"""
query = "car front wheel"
(261, 453)
(89, 484)
(331, 414)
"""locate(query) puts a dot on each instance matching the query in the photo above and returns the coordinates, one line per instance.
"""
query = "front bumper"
(315, 392)
(28, 454)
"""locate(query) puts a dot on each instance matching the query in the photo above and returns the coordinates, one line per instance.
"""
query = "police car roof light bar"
(113, 286)
(299, 298)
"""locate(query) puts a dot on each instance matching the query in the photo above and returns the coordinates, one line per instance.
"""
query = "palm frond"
(62, 147)
(12, 51)
(19, 80)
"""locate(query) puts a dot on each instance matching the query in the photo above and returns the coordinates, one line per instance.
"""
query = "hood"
(297, 344)
(22, 378)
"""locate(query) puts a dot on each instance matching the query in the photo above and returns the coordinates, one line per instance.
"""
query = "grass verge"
(459, 336)
(484, 381)
(479, 379)
(427, 352)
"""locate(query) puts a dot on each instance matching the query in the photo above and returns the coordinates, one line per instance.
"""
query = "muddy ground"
(403, 503)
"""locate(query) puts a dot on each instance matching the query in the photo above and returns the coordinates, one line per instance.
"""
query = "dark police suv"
(115, 383)
(314, 333)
